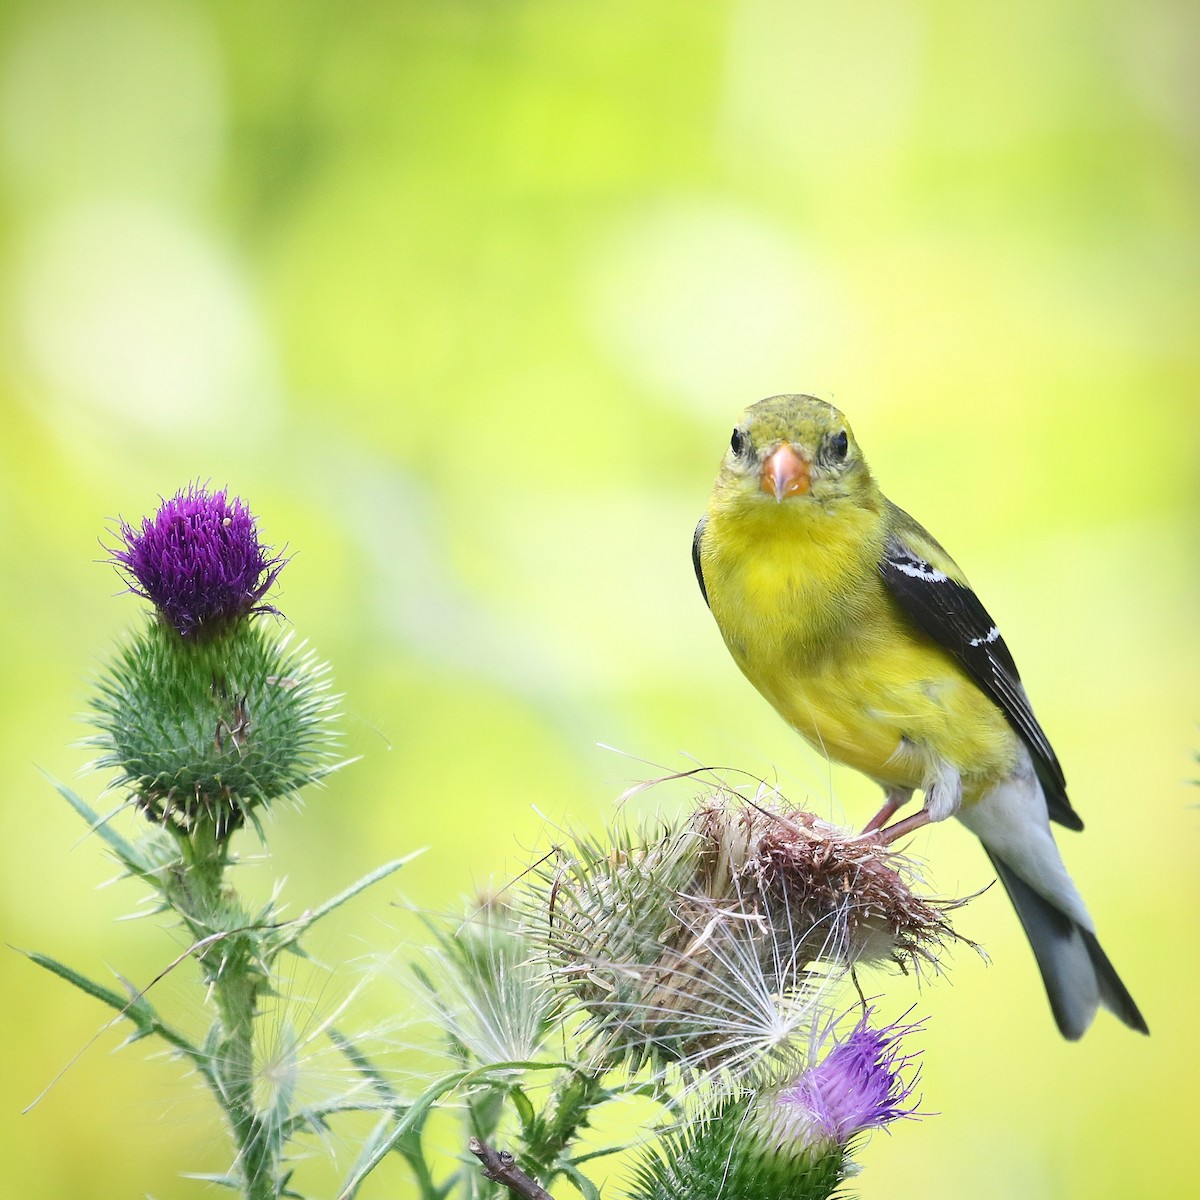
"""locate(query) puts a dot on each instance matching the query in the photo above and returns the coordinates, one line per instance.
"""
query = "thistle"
(705, 949)
(709, 943)
(862, 1083)
(789, 1143)
(204, 714)
(487, 992)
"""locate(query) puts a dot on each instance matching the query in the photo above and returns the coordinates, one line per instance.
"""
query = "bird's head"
(794, 450)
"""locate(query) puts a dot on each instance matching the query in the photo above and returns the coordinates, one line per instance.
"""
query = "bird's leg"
(894, 798)
(893, 833)
(943, 798)
(943, 792)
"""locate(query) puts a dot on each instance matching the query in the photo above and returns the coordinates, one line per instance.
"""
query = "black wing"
(951, 614)
(696, 557)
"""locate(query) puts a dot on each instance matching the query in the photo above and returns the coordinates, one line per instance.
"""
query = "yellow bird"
(867, 639)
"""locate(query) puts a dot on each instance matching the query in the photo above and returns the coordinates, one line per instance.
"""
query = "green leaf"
(226, 1181)
(137, 1009)
(379, 1147)
(295, 929)
(365, 1067)
(131, 857)
(416, 1113)
(587, 1189)
(134, 1008)
(315, 1117)
(579, 1159)
(368, 1158)
(524, 1106)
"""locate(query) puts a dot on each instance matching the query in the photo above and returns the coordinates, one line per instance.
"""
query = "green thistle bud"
(210, 730)
(789, 1143)
(722, 1153)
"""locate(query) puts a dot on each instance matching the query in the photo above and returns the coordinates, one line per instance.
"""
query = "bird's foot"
(895, 799)
(943, 797)
(893, 833)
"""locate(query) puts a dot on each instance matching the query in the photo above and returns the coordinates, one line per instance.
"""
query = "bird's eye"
(738, 442)
(840, 445)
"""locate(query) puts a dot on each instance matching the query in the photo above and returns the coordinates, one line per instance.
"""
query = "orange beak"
(786, 473)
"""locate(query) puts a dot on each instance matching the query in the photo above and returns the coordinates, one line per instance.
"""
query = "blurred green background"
(463, 297)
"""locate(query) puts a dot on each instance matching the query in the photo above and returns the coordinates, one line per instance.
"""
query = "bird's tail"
(1012, 822)
(1076, 971)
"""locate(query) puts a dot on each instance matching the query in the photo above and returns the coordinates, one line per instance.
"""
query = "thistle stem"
(234, 970)
(556, 1127)
(256, 1158)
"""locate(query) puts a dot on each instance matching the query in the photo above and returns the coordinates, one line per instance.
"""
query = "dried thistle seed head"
(485, 990)
(850, 893)
(709, 942)
(605, 912)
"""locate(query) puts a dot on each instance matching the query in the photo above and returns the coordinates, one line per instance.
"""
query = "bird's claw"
(889, 834)
(893, 800)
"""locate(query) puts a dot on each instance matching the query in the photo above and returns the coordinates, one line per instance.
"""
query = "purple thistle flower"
(199, 561)
(859, 1085)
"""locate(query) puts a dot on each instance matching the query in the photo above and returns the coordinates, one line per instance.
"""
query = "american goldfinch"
(867, 639)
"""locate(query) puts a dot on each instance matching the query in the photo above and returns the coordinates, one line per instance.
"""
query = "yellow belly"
(893, 713)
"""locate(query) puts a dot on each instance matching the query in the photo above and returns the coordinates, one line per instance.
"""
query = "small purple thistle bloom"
(199, 561)
(859, 1085)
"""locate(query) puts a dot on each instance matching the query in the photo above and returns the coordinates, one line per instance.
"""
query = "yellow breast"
(809, 621)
